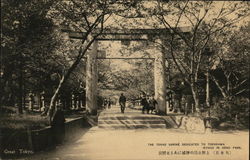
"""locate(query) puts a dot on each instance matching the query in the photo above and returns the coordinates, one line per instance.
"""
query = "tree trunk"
(229, 90)
(207, 89)
(20, 95)
(196, 98)
(53, 99)
(81, 53)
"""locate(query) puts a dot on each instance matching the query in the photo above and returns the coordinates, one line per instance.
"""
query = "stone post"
(72, 100)
(76, 101)
(79, 102)
(159, 80)
(42, 101)
(91, 80)
(31, 101)
(81, 94)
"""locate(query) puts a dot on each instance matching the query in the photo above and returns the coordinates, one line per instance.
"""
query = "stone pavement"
(131, 119)
(148, 144)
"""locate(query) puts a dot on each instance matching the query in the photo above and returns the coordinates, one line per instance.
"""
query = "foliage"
(206, 21)
(136, 76)
(27, 45)
(235, 110)
(232, 70)
(88, 18)
(14, 121)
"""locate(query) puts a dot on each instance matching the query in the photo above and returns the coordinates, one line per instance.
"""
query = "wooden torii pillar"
(159, 80)
(91, 80)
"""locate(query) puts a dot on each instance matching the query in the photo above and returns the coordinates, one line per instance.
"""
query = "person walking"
(122, 102)
(144, 103)
(109, 103)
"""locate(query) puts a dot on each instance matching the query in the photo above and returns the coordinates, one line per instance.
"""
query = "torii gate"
(126, 35)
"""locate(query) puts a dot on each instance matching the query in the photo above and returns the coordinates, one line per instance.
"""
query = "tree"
(206, 21)
(25, 30)
(87, 17)
(231, 74)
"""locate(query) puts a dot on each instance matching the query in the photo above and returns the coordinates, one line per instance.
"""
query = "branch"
(168, 26)
(188, 18)
(223, 92)
(209, 32)
(83, 14)
(182, 11)
(192, 13)
(239, 92)
(196, 29)
(239, 84)
(67, 10)
(231, 23)
(86, 20)
(174, 58)
(198, 65)
(187, 69)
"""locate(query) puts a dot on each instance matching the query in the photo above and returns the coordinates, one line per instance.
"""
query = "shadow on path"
(58, 152)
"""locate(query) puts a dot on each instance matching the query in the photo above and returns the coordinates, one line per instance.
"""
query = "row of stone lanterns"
(74, 102)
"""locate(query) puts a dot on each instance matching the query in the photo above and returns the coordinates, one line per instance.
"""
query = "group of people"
(148, 103)
(180, 99)
(107, 103)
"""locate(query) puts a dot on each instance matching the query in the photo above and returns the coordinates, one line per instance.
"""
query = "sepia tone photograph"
(124, 80)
